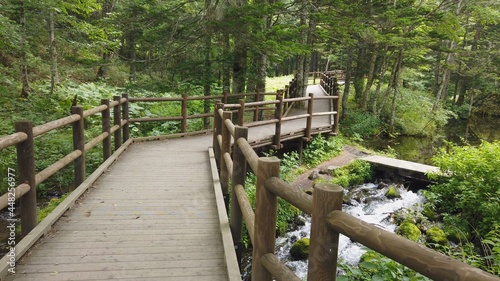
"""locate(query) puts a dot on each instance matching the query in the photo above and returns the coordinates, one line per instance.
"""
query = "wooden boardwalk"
(152, 216)
(157, 213)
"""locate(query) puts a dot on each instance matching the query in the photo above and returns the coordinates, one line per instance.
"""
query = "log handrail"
(328, 220)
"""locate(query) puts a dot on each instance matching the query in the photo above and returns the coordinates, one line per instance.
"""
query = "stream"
(367, 202)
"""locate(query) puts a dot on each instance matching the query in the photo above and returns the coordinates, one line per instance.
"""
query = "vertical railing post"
(310, 116)
(184, 113)
(241, 112)
(278, 114)
(79, 144)
(256, 113)
(106, 128)
(125, 116)
(225, 93)
(117, 121)
(324, 241)
(266, 205)
(225, 148)
(336, 107)
(26, 171)
(239, 175)
(217, 132)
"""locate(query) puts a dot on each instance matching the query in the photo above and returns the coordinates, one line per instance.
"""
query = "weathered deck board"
(152, 215)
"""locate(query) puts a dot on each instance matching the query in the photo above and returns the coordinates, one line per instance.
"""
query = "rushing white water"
(369, 204)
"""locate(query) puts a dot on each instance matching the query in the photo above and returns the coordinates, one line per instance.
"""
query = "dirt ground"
(349, 154)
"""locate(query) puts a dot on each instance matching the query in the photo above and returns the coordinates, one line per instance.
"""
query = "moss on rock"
(300, 249)
(409, 230)
(436, 235)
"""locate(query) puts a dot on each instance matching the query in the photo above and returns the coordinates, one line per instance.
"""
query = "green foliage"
(436, 235)
(361, 124)
(376, 267)
(491, 244)
(285, 214)
(321, 149)
(300, 249)
(357, 172)
(53, 203)
(470, 189)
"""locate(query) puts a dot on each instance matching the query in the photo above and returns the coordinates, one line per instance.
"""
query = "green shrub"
(321, 149)
(361, 124)
(436, 235)
(470, 190)
(357, 172)
(377, 267)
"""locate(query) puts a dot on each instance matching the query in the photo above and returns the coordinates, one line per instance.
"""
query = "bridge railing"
(115, 128)
(24, 140)
(328, 220)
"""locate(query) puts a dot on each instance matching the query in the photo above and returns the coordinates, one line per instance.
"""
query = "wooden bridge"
(156, 208)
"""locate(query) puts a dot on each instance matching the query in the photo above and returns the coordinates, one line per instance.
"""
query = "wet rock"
(382, 185)
(329, 170)
(314, 175)
(300, 249)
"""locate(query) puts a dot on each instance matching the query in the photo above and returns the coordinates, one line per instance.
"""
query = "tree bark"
(445, 79)
(26, 89)
(380, 77)
(396, 88)
(54, 73)
(369, 83)
(347, 85)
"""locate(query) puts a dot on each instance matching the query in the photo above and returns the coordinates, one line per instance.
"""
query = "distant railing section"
(325, 206)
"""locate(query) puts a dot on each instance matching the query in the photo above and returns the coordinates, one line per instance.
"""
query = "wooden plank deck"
(152, 216)
(293, 129)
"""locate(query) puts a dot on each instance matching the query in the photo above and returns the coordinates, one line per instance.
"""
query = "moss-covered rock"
(436, 235)
(409, 230)
(300, 249)
(392, 192)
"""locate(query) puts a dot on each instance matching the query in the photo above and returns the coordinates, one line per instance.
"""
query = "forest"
(410, 66)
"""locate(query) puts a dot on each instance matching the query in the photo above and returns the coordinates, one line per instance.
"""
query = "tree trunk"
(347, 85)
(445, 79)
(359, 79)
(26, 89)
(369, 83)
(464, 82)
(102, 73)
(54, 74)
(396, 88)
(132, 57)
(380, 77)
(207, 63)
(239, 67)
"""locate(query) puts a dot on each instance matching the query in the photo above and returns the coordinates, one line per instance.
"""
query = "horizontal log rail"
(115, 123)
(325, 206)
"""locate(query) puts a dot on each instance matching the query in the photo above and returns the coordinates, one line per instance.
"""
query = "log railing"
(115, 130)
(24, 140)
(328, 220)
